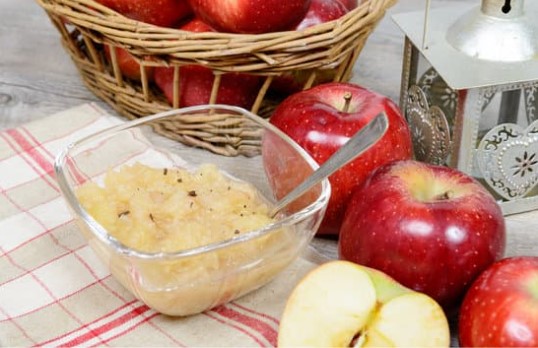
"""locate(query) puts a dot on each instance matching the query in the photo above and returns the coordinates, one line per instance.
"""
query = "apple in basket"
(251, 16)
(321, 11)
(164, 13)
(342, 304)
(321, 119)
(501, 307)
(127, 64)
(196, 82)
(432, 228)
(351, 4)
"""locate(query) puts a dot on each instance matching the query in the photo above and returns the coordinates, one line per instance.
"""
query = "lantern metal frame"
(435, 72)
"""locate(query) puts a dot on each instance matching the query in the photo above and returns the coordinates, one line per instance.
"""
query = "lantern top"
(499, 30)
(465, 44)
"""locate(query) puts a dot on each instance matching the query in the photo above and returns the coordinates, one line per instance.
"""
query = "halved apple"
(343, 304)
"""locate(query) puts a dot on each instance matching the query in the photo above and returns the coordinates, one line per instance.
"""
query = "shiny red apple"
(196, 82)
(321, 11)
(196, 25)
(127, 64)
(350, 4)
(321, 119)
(501, 307)
(433, 228)
(164, 13)
(251, 16)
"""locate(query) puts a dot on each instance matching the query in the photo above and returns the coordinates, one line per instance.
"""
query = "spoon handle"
(356, 145)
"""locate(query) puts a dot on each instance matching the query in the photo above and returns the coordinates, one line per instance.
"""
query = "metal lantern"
(470, 93)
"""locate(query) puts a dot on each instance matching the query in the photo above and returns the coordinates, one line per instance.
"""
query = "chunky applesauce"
(168, 210)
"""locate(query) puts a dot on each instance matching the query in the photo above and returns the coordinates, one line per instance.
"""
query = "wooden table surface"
(37, 78)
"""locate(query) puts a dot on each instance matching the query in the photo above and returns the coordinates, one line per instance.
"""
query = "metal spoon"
(355, 146)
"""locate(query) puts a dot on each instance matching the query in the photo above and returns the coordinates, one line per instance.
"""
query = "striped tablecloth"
(53, 289)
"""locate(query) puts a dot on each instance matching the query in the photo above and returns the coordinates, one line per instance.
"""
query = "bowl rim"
(101, 233)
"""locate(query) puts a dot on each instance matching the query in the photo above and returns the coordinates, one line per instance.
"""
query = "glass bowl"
(190, 280)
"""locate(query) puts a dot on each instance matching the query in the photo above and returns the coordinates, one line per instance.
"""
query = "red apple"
(196, 25)
(432, 228)
(321, 119)
(350, 4)
(501, 307)
(128, 65)
(196, 82)
(321, 11)
(164, 13)
(251, 16)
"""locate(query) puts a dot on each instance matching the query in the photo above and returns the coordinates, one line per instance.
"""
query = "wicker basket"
(329, 49)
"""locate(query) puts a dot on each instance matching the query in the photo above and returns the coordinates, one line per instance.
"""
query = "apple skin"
(321, 11)
(164, 13)
(196, 82)
(501, 307)
(432, 228)
(128, 65)
(350, 4)
(313, 118)
(251, 16)
(197, 25)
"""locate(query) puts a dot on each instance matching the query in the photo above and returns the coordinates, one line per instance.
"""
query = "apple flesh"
(342, 304)
(251, 16)
(432, 228)
(164, 13)
(321, 119)
(501, 307)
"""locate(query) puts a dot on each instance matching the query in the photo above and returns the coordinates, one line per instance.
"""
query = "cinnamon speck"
(124, 213)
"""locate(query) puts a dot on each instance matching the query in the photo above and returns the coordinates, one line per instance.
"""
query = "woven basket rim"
(147, 39)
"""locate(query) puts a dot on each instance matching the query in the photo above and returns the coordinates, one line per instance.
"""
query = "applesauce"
(169, 210)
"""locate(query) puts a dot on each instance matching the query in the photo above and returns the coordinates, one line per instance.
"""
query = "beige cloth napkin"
(53, 289)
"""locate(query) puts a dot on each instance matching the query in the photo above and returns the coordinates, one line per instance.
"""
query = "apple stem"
(347, 101)
(358, 341)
